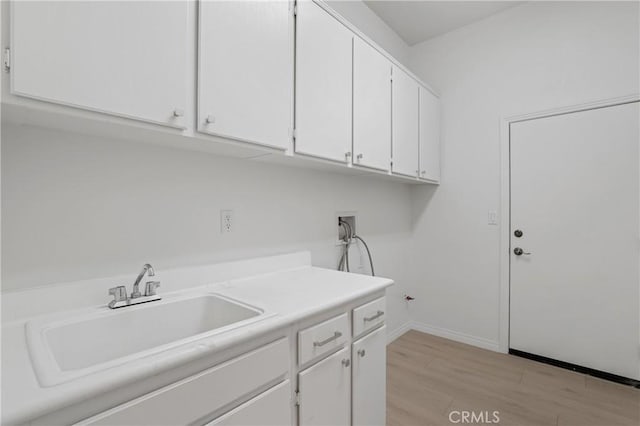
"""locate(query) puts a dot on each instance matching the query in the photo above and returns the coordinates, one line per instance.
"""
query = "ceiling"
(417, 21)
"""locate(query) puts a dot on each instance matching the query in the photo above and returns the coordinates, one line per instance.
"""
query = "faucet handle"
(150, 288)
(119, 294)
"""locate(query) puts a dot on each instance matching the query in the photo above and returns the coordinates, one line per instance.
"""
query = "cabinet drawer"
(192, 398)
(322, 338)
(270, 408)
(368, 316)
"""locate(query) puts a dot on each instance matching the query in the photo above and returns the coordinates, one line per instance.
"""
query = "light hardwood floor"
(428, 377)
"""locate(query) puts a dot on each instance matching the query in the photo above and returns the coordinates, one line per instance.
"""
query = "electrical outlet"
(226, 221)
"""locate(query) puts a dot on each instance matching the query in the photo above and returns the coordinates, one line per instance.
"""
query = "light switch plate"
(492, 217)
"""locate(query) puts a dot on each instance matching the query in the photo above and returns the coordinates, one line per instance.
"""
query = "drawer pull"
(335, 336)
(374, 317)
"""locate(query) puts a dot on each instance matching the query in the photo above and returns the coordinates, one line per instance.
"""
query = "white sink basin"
(73, 346)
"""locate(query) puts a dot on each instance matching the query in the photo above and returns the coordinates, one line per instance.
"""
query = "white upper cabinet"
(126, 58)
(405, 123)
(371, 107)
(245, 71)
(323, 84)
(429, 135)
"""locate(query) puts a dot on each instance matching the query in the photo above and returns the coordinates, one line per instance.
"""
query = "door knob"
(519, 252)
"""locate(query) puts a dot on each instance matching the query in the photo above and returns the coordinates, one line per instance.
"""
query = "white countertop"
(287, 286)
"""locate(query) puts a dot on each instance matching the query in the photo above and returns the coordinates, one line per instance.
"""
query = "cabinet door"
(127, 58)
(245, 73)
(323, 84)
(371, 107)
(370, 379)
(270, 408)
(325, 390)
(405, 123)
(429, 135)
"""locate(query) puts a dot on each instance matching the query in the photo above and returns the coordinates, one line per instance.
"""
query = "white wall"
(77, 207)
(532, 57)
(356, 12)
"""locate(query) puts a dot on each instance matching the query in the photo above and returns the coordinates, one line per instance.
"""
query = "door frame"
(505, 197)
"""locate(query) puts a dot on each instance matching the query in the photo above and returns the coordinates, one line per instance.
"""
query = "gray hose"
(368, 253)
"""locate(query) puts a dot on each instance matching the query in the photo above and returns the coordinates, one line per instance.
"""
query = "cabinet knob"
(359, 157)
(210, 119)
(346, 362)
(347, 155)
(178, 112)
(362, 353)
(424, 172)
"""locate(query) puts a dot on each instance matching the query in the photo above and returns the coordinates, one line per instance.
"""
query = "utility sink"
(68, 347)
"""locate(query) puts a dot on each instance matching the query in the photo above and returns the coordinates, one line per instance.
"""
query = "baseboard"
(456, 336)
(393, 335)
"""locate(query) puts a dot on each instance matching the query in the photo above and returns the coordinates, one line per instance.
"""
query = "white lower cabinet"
(340, 378)
(369, 379)
(270, 408)
(325, 390)
(200, 396)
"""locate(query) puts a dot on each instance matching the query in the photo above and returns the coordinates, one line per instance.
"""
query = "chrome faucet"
(147, 268)
(119, 293)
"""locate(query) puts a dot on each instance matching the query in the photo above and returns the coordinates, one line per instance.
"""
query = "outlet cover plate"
(226, 221)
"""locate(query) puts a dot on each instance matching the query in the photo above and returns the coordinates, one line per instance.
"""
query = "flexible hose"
(373, 274)
(343, 264)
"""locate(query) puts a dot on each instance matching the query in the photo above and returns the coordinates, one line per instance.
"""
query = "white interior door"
(575, 195)
(127, 58)
(324, 49)
(371, 107)
(405, 123)
(245, 73)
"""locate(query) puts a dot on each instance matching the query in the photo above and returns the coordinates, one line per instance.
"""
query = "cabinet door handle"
(359, 157)
(346, 362)
(178, 112)
(210, 119)
(335, 336)
(362, 353)
(374, 317)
